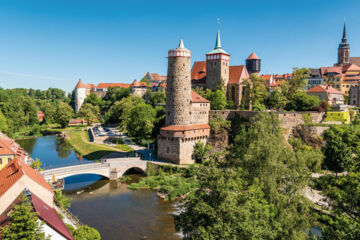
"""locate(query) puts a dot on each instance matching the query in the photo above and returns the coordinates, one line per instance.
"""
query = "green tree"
(145, 80)
(257, 91)
(300, 101)
(141, 122)
(64, 113)
(298, 81)
(50, 112)
(218, 100)
(23, 223)
(61, 200)
(94, 100)
(36, 164)
(3, 123)
(255, 192)
(157, 97)
(86, 233)
(276, 100)
(89, 112)
(338, 155)
(201, 151)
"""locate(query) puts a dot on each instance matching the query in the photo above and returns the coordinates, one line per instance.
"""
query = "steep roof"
(326, 70)
(323, 88)
(50, 216)
(80, 84)
(14, 170)
(198, 72)
(253, 56)
(196, 98)
(237, 74)
(185, 127)
(138, 84)
(351, 67)
(108, 85)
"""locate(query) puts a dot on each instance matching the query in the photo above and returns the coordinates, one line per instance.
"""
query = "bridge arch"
(134, 170)
(83, 173)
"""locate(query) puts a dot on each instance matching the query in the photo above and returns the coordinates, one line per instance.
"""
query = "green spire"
(218, 41)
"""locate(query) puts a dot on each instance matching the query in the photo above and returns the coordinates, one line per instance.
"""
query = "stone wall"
(288, 120)
(215, 70)
(200, 113)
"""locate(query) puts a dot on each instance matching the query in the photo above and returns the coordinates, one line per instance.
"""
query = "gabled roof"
(351, 67)
(237, 74)
(323, 88)
(14, 170)
(252, 56)
(108, 85)
(196, 98)
(50, 217)
(326, 70)
(198, 72)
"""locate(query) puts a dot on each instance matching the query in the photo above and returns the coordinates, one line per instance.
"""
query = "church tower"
(217, 65)
(343, 50)
(178, 89)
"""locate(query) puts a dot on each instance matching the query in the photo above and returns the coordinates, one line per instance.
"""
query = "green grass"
(79, 140)
(172, 186)
(124, 148)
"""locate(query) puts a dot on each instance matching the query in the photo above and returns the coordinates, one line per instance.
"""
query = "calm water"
(115, 211)
(52, 151)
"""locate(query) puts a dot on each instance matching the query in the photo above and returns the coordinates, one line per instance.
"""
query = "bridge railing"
(64, 170)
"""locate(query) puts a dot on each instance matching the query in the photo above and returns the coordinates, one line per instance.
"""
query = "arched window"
(233, 93)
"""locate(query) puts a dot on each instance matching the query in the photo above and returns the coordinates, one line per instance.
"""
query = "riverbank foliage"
(254, 192)
(170, 181)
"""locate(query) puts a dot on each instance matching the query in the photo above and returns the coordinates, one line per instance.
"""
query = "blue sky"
(54, 43)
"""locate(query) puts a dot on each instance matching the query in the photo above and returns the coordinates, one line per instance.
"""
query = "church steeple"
(218, 40)
(343, 50)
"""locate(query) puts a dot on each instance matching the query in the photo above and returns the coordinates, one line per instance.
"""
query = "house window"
(167, 150)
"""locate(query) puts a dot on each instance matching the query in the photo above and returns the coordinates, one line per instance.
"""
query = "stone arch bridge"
(109, 168)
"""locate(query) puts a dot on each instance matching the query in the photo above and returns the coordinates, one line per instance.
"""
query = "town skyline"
(46, 45)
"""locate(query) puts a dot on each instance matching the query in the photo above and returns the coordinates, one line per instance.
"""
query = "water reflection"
(120, 213)
(52, 151)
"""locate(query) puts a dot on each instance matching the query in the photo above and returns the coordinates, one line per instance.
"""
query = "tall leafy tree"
(141, 121)
(64, 113)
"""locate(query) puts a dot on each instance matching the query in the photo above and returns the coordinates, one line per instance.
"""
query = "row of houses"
(18, 178)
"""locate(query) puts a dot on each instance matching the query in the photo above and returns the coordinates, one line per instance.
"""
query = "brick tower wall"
(215, 70)
(178, 91)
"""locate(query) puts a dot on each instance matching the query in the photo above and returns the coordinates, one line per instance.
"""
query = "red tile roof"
(14, 170)
(157, 77)
(50, 216)
(326, 70)
(108, 85)
(196, 98)
(198, 72)
(322, 88)
(237, 74)
(80, 84)
(253, 56)
(185, 127)
(7, 145)
(351, 67)
(138, 84)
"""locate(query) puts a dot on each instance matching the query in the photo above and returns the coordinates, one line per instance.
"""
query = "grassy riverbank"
(80, 141)
(170, 182)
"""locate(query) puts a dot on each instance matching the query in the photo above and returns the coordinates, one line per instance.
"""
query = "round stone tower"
(178, 89)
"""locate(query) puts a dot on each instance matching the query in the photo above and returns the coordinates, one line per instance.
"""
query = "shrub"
(86, 233)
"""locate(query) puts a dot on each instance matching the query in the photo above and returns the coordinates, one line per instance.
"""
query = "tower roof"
(180, 51)
(181, 44)
(253, 56)
(218, 48)
(344, 43)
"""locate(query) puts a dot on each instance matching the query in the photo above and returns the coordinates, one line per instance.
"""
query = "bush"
(307, 117)
(61, 200)
(86, 233)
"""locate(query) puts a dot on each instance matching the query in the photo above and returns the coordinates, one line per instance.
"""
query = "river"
(115, 211)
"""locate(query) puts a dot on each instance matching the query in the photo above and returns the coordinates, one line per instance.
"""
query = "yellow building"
(8, 150)
(350, 77)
